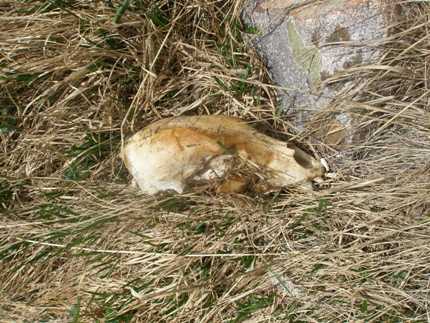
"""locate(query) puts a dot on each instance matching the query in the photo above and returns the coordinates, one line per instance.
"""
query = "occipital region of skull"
(223, 153)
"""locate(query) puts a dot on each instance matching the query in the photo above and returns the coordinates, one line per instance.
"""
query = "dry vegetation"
(76, 244)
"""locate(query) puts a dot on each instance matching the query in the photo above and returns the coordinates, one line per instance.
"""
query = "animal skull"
(179, 153)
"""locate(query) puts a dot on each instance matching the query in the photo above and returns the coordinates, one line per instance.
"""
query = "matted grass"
(78, 245)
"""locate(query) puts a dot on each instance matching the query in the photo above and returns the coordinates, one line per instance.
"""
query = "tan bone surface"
(174, 154)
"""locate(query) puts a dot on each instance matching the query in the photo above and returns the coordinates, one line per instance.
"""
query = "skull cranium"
(175, 154)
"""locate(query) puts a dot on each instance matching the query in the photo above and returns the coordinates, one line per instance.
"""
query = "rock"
(305, 43)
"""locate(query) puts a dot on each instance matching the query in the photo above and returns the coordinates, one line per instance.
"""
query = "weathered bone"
(172, 154)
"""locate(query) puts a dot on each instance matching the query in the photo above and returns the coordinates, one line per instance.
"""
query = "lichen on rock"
(305, 43)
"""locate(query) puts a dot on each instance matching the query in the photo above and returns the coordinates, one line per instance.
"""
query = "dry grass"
(76, 244)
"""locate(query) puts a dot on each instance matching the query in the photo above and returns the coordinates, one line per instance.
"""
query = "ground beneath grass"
(77, 244)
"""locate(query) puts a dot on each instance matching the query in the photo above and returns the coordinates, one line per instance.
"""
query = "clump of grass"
(76, 244)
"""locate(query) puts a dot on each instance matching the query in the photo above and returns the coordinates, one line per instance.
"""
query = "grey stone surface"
(305, 43)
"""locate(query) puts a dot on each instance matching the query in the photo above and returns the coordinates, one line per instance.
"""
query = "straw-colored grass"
(78, 245)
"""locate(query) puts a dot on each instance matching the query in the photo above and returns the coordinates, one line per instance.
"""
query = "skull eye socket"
(301, 157)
